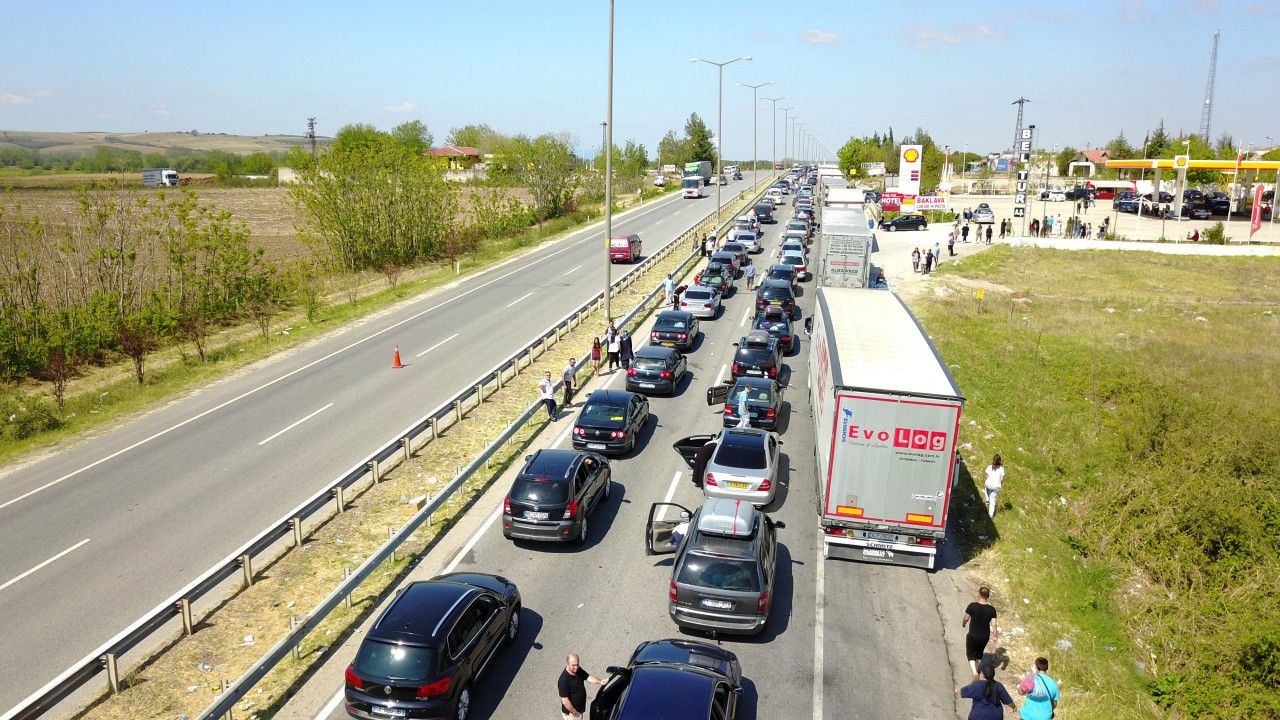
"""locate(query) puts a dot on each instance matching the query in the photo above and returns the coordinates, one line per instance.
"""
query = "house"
(459, 157)
(1090, 160)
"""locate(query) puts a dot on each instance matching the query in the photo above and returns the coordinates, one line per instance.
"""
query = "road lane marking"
(744, 316)
(433, 347)
(296, 424)
(720, 377)
(576, 267)
(513, 302)
(332, 705)
(671, 492)
(819, 599)
(46, 562)
(474, 540)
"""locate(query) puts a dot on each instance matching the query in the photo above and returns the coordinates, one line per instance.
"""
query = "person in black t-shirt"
(573, 689)
(980, 618)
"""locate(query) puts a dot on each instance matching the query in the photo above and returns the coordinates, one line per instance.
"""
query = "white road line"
(720, 377)
(332, 705)
(745, 315)
(296, 424)
(570, 272)
(513, 302)
(471, 543)
(671, 492)
(46, 562)
(433, 347)
(819, 600)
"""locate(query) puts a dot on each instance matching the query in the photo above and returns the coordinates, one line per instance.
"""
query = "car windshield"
(755, 393)
(753, 356)
(649, 363)
(600, 412)
(796, 226)
(792, 259)
(395, 661)
(734, 247)
(775, 327)
(777, 293)
(697, 295)
(741, 451)
(540, 490)
(732, 574)
(665, 324)
(620, 243)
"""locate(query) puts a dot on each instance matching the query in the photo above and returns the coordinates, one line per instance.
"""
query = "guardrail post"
(184, 609)
(346, 601)
(113, 672)
(435, 431)
(479, 394)
(246, 567)
(297, 649)
(295, 524)
(340, 499)
(391, 534)
(375, 469)
(230, 715)
(407, 445)
(497, 380)
(457, 411)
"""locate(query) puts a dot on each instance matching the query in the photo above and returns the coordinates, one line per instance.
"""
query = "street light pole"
(775, 126)
(719, 121)
(755, 136)
(796, 145)
(608, 176)
(786, 131)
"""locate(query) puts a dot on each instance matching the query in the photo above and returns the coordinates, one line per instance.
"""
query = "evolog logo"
(910, 438)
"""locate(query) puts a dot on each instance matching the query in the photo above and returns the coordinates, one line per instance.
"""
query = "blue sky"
(849, 68)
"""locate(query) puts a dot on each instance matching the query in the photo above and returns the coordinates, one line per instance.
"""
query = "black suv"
(426, 650)
(775, 293)
(905, 222)
(764, 401)
(758, 355)
(764, 212)
(609, 422)
(553, 494)
(675, 679)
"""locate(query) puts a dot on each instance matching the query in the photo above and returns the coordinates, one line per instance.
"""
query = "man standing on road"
(569, 372)
(988, 234)
(980, 619)
(951, 242)
(669, 286)
(937, 254)
(964, 235)
(547, 390)
(751, 276)
(572, 687)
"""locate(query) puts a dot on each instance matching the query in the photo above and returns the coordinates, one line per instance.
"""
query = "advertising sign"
(872, 169)
(909, 169)
(1020, 189)
(890, 201)
(931, 202)
(1255, 222)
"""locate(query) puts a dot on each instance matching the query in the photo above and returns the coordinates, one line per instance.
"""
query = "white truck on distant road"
(886, 417)
(701, 168)
(844, 248)
(160, 177)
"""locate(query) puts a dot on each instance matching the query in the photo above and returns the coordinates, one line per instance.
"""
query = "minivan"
(624, 248)
(764, 212)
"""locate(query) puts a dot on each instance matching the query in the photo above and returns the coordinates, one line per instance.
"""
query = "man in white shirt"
(547, 390)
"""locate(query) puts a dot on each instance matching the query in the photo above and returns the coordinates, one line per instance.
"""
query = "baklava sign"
(909, 169)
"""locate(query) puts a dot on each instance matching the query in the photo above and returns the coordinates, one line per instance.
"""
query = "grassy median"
(1133, 397)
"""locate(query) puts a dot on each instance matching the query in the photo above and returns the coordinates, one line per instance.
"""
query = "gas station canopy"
(1182, 162)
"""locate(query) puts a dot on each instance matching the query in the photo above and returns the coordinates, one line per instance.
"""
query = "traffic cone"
(395, 360)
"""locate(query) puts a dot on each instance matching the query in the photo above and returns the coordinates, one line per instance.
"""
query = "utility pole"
(311, 134)
(775, 126)
(1206, 112)
(786, 132)
(608, 177)
(755, 136)
(1017, 130)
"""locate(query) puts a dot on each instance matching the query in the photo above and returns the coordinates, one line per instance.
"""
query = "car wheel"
(582, 531)
(924, 227)
(462, 709)
(892, 228)
(513, 625)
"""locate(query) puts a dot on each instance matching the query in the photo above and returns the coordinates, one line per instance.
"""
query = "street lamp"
(775, 125)
(755, 116)
(786, 132)
(719, 121)
(1182, 182)
(1275, 189)
(795, 146)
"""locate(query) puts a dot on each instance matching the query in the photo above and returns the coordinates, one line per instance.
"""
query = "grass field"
(150, 142)
(1133, 397)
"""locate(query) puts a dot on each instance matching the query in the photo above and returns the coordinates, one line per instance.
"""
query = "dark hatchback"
(775, 322)
(553, 494)
(423, 655)
(905, 222)
(672, 679)
(1219, 203)
(758, 355)
(1196, 211)
(775, 293)
(610, 422)
(674, 328)
(764, 401)
(764, 212)
(778, 271)
(656, 370)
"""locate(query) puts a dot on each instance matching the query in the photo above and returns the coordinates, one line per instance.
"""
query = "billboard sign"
(890, 201)
(931, 202)
(909, 163)
(872, 169)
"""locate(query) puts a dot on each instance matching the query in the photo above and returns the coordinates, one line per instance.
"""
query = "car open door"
(689, 447)
(610, 693)
(660, 535)
(717, 394)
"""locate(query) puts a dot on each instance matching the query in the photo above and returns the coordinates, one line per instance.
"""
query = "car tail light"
(682, 336)
(771, 412)
(728, 409)
(773, 372)
(737, 368)
(617, 434)
(353, 679)
(762, 603)
(631, 372)
(711, 480)
(765, 485)
(578, 430)
(571, 509)
(684, 303)
(506, 506)
(928, 542)
(439, 687)
(673, 593)
(785, 338)
(653, 335)
(665, 374)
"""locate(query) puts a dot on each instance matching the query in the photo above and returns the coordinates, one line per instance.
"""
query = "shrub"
(1215, 234)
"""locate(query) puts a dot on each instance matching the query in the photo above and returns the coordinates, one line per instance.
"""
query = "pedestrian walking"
(626, 353)
(988, 234)
(709, 247)
(995, 479)
(669, 286)
(980, 619)
(612, 347)
(964, 234)
(1077, 207)
(951, 242)
(750, 273)
(915, 260)
(675, 297)
(572, 687)
(1048, 224)
(928, 261)
(744, 411)
(596, 353)
(570, 371)
(937, 254)
(1041, 693)
(547, 391)
(988, 695)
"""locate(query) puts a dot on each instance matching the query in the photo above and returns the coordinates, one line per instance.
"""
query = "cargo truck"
(886, 414)
(160, 177)
(701, 168)
(844, 249)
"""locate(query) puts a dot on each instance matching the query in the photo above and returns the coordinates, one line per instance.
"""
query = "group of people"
(1039, 691)
(616, 349)
(927, 262)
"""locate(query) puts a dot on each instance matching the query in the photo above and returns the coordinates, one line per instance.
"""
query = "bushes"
(22, 416)
(1215, 234)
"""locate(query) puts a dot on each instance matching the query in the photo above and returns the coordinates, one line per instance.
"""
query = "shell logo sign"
(909, 170)
(910, 154)
(1181, 162)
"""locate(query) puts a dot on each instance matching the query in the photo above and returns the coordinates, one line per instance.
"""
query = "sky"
(1090, 69)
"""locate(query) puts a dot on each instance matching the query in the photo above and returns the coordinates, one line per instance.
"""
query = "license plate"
(536, 515)
(869, 552)
(882, 536)
(738, 485)
(717, 604)
(647, 386)
(595, 446)
(668, 343)
(390, 712)
(775, 302)
(755, 372)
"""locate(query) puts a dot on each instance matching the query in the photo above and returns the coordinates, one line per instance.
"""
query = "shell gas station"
(1180, 164)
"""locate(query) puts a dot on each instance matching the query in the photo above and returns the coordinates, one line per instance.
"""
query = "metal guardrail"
(333, 498)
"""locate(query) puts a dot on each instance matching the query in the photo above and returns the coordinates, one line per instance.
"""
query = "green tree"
(258, 163)
(1226, 147)
(413, 136)
(298, 157)
(1063, 159)
(672, 150)
(698, 143)
(481, 137)
(546, 167)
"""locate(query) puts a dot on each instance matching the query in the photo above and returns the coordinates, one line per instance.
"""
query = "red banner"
(1256, 221)
(891, 201)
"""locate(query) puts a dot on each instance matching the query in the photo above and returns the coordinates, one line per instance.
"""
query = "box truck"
(160, 177)
(701, 169)
(886, 414)
(844, 248)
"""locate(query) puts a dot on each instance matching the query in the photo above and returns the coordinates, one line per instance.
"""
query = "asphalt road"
(844, 640)
(100, 533)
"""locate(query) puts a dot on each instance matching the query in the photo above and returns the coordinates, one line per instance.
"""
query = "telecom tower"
(1206, 112)
(311, 134)
(1017, 131)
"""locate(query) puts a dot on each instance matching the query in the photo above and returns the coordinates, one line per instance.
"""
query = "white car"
(775, 196)
(984, 214)
(746, 238)
(701, 302)
(797, 261)
(660, 181)
(790, 246)
(749, 223)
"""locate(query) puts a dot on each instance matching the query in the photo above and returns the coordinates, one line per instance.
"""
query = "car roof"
(674, 315)
(757, 337)
(668, 692)
(775, 283)
(414, 617)
(755, 382)
(549, 462)
(610, 397)
(724, 517)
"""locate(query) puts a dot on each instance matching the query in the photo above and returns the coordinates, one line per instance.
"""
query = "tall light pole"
(775, 126)
(796, 124)
(755, 116)
(719, 120)
(786, 131)
(608, 175)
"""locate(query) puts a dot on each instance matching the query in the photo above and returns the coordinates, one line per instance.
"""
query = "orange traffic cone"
(395, 360)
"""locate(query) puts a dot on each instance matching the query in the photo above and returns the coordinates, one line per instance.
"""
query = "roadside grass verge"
(1133, 397)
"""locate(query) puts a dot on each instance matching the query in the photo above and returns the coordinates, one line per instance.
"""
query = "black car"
(764, 212)
(776, 322)
(1078, 193)
(779, 271)
(553, 494)
(1219, 203)
(674, 328)
(764, 401)
(1196, 211)
(758, 355)
(729, 260)
(656, 370)
(1192, 195)
(905, 222)
(423, 655)
(1165, 197)
(1126, 203)
(737, 175)
(610, 421)
(674, 679)
(775, 293)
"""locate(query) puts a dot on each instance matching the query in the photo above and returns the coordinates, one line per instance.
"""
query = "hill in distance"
(151, 142)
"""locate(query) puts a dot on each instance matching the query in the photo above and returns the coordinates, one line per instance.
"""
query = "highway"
(99, 533)
(844, 640)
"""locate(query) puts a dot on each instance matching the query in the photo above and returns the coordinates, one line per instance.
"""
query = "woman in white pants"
(995, 478)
